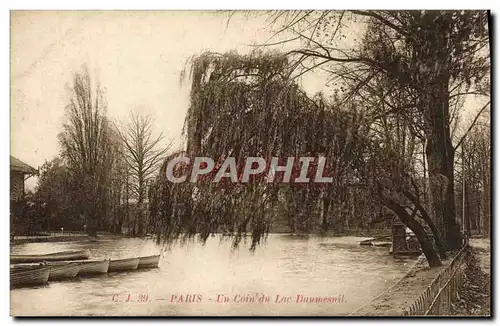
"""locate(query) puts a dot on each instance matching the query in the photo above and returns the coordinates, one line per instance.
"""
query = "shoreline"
(473, 294)
(84, 237)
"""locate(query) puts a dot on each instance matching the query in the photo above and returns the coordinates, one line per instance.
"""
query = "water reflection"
(284, 266)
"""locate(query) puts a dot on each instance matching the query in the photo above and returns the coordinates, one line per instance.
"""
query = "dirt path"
(481, 248)
(475, 293)
(474, 296)
(404, 292)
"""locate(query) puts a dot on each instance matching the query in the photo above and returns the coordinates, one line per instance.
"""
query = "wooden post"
(399, 244)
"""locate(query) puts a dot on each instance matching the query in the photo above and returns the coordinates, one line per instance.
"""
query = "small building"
(19, 172)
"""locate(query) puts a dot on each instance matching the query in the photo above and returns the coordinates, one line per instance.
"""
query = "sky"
(137, 56)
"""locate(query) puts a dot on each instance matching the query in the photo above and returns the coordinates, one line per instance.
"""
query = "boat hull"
(94, 267)
(63, 271)
(25, 267)
(382, 244)
(123, 264)
(149, 261)
(58, 256)
(31, 277)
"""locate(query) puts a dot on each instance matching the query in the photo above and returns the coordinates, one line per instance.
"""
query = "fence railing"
(443, 291)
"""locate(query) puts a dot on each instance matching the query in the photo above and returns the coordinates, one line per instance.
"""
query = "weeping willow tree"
(249, 106)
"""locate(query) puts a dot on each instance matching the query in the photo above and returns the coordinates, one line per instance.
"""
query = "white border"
(186, 4)
(252, 5)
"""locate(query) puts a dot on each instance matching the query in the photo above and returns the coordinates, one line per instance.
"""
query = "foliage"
(411, 64)
(56, 193)
(247, 106)
(86, 148)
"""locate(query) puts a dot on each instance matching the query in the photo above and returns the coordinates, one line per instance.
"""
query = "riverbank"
(404, 291)
(35, 239)
(58, 238)
(82, 236)
(347, 233)
(473, 296)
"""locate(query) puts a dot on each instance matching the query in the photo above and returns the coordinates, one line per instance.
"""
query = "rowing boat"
(61, 271)
(123, 264)
(381, 244)
(26, 267)
(57, 256)
(58, 270)
(34, 276)
(94, 267)
(149, 261)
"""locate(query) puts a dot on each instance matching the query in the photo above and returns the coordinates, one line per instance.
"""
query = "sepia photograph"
(250, 163)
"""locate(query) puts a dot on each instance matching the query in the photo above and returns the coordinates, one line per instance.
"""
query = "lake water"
(285, 266)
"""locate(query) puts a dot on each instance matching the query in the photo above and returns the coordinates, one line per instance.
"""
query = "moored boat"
(61, 271)
(57, 256)
(126, 264)
(27, 277)
(26, 267)
(94, 267)
(381, 244)
(149, 261)
(367, 242)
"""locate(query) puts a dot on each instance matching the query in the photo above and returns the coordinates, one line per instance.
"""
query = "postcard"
(250, 163)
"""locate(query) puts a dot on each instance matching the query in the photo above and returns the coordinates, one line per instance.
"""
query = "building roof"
(20, 166)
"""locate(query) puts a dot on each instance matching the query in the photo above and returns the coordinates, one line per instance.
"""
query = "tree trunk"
(486, 204)
(134, 225)
(140, 200)
(92, 227)
(478, 215)
(428, 248)
(428, 220)
(91, 212)
(127, 212)
(440, 159)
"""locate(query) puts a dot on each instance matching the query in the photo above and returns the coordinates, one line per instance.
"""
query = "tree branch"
(471, 126)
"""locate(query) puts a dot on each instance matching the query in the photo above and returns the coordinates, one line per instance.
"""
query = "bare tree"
(143, 154)
(85, 147)
(474, 173)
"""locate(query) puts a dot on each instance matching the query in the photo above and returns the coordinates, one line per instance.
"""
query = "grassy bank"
(475, 294)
